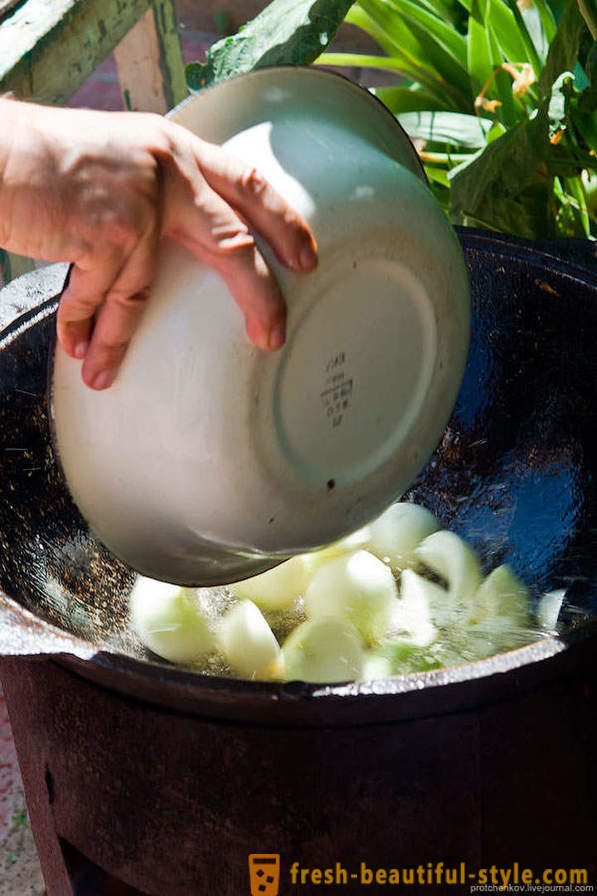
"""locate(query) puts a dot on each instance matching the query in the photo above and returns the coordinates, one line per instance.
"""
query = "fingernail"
(104, 379)
(308, 257)
(277, 336)
(81, 349)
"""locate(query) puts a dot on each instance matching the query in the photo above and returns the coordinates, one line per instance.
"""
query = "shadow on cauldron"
(167, 780)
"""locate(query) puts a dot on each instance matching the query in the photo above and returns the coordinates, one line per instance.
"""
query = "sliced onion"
(324, 650)
(375, 667)
(548, 609)
(169, 620)
(277, 588)
(411, 617)
(501, 594)
(358, 587)
(346, 545)
(398, 531)
(450, 557)
(493, 635)
(276, 671)
(246, 640)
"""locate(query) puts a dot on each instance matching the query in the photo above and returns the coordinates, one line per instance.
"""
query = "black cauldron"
(168, 780)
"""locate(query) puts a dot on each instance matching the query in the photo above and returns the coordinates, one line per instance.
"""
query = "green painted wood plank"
(172, 61)
(49, 49)
(7, 5)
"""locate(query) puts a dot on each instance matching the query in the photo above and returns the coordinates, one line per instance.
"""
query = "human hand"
(100, 189)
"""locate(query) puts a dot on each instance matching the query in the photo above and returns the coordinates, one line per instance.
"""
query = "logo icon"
(265, 874)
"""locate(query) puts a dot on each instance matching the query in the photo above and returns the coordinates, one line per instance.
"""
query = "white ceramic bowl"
(209, 460)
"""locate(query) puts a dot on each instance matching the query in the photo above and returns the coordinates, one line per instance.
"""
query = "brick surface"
(20, 874)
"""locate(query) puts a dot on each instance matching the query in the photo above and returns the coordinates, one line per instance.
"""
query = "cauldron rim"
(398, 697)
(286, 703)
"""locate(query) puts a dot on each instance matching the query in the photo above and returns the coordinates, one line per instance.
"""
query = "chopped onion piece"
(277, 588)
(346, 545)
(441, 605)
(324, 650)
(398, 531)
(548, 609)
(501, 594)
(356, 586)
(168, 619)
(411, 616)
(493, 635)
(450, 557)
(376, 667)
(276, 671)
(246, 639)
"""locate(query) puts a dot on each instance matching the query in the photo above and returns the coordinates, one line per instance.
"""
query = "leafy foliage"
(499, 95)
(287, 32)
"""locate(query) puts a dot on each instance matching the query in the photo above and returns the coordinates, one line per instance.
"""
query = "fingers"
(119, 315)
(100, 308)
(84, 294)
(267, 212)
(213, 232)
(256, 292)
(207, 200)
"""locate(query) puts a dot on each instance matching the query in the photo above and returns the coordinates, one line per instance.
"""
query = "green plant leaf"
(505, 185)
(448, 10)
(563, 51)
(423, 51)
(444, 33)
(532, 56)
(547, 19)
(510, 110)
(479, 53)
(399, 64)
(591, 66)
(356, 15)
(530, 13)
(437, 175)
(589, 13)
(452, 128)
(408, 99)
(586, 125)
(508, 34)
(576, 192)
(286, 32)
(479, 10)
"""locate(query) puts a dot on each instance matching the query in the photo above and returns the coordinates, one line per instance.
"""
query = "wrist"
(16, 123)
(9, 115)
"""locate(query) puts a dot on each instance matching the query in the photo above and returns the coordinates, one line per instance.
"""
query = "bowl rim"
(316, 71)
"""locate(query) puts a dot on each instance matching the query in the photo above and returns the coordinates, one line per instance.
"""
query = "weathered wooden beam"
(7, 5)
(48, 50)
(171, 58)
(150, 62)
